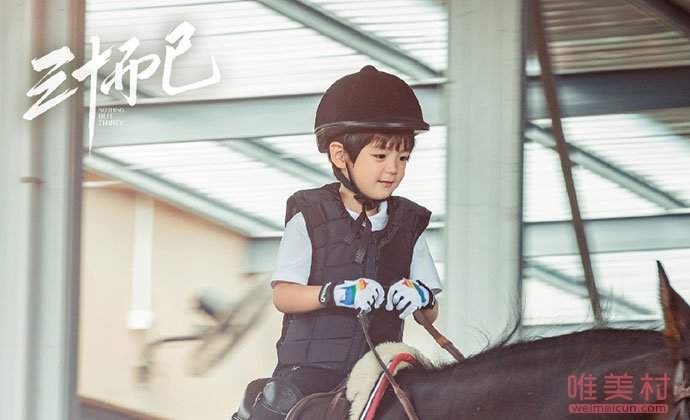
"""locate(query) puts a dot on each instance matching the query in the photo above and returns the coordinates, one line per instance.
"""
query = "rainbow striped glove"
(409, 295)
(361, 294)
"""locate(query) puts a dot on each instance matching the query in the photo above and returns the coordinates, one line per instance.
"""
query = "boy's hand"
(361, 294)
(407, 296)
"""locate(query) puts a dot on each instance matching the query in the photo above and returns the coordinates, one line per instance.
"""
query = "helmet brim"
(325, 132)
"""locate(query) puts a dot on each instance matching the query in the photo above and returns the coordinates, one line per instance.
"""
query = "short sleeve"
(423, 268)
(294, 254)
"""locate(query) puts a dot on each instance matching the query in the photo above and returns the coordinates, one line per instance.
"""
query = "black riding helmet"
(369, 101)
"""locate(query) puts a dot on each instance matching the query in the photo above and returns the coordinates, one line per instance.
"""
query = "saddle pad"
(367, 376)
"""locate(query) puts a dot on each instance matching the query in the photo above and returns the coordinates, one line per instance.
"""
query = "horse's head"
(677, 334)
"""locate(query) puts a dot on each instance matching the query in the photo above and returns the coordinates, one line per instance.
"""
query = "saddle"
(355, 398)
(250, 396)
(332, 404)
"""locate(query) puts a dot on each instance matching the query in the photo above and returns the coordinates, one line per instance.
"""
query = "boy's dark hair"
(353, 143)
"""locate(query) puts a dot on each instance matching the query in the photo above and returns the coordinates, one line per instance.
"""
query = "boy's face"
(378, 171)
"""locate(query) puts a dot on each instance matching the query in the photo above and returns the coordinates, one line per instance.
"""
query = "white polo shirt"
(294, 254)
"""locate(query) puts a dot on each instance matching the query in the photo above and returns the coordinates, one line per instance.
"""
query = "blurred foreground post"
(485, 105)
(40, 185)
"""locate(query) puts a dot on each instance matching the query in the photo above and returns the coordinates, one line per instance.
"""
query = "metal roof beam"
(601, 167)
(165, 120)
(629, 234)
(625, 234)
(232, 218)
(340, 31)
(261, 151)
(672, 14)
(613, 92)
(536, 331)
(576, 287)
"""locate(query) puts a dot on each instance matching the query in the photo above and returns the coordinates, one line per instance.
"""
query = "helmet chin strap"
(367, 202)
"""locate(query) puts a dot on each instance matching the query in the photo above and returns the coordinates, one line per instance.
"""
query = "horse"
(604, 371)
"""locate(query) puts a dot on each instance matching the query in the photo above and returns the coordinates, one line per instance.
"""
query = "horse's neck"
(654, 364)
(657, 360)
(533, 376)
(579, 349)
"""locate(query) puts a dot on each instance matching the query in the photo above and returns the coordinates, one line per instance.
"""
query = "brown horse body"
(541, 379)
(529, 380)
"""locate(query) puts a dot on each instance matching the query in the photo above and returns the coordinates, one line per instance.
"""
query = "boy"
(346, 243)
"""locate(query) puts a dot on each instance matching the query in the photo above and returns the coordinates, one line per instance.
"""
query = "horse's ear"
(676, 311)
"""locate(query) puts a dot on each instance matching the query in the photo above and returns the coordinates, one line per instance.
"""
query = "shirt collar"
(383, 211)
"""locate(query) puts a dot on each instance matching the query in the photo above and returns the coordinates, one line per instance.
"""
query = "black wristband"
(432, 298)
(326, 294)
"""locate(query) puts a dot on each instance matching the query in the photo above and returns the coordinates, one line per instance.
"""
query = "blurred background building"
(108, 253)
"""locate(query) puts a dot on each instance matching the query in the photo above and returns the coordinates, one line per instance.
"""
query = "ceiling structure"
(234, 151)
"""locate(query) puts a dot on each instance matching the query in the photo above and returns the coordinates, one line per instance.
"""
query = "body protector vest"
(332, 338)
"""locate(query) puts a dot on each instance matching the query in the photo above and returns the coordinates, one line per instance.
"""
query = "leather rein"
(440, 339)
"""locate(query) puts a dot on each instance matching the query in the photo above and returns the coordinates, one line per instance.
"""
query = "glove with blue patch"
(361, 294)
(409, 295)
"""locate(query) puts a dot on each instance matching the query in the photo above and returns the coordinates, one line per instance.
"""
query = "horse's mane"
(503, 346)
(602, 334)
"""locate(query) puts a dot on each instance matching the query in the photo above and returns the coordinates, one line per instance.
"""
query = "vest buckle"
(359, 255)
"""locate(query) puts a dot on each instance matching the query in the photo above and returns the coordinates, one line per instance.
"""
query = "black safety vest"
(332, 338)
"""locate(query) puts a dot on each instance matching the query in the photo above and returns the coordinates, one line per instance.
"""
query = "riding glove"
(361, 294)
(409, 295)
